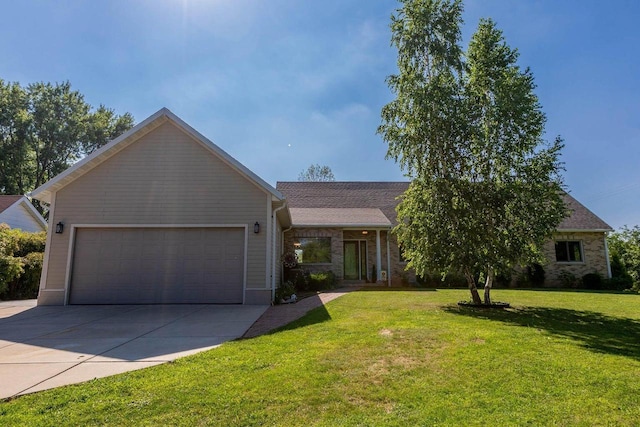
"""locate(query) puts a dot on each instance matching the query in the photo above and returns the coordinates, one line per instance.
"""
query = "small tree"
(486, 188)
(317, 173)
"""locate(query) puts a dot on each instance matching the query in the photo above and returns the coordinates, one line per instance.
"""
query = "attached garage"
(161, 215)
(149, 265)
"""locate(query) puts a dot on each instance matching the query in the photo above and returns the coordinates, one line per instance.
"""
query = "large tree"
(468, 130)
(624, 248)
(317, 173)
(45, 128)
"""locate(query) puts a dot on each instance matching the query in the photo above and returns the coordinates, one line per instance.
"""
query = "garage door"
(157, 266)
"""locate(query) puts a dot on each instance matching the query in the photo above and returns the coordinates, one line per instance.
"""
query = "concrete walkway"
(46, 347)
(280, 315)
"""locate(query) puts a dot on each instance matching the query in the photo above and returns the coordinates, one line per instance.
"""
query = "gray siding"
(165, 177)
(17, 216)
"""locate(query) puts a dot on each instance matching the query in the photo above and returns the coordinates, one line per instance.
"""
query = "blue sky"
(282, 84)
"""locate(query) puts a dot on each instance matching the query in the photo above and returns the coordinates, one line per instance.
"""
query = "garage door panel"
(157, 265)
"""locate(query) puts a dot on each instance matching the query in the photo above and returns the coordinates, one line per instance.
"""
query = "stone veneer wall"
(399, 276)
(593, 251)
(337, 251)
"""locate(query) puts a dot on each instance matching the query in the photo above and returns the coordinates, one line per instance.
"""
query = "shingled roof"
(384, 196)
(350, 194)
(581, 218)
(6, 201)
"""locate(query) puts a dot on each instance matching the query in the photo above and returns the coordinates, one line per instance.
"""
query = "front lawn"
(388, 358)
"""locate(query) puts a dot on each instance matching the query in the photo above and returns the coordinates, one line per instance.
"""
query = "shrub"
(285, 290)
(30, 242)
(435, 280)
(568, 279)
(300, 279)
(10, 270)
(21, 255)
(322, 280)
(619, 283)
(535, 274)
(592, 281)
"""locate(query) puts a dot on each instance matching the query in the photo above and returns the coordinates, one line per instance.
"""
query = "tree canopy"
(45, 128)
(467, 129)
(317, 173)
(624, 249)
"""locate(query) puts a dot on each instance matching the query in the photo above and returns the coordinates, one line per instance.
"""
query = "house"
(354, 219)
(18, 212)
(163, 215)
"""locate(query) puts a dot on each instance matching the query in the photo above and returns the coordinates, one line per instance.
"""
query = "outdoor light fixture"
(256, 227)
(59, 228)
(365, 232)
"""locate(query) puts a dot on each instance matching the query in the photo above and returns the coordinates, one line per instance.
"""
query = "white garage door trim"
(72, 240)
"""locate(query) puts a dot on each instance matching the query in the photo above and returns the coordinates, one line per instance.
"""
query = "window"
(568, 251)
(313, 250)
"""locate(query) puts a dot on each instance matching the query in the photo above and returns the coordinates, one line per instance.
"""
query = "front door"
(355, 260)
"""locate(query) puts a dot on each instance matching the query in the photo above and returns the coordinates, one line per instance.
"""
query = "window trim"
(566, 242)
(297, 246)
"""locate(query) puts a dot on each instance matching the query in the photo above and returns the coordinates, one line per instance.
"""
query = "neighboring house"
(18, 212)
(163, 215)
(352, 221)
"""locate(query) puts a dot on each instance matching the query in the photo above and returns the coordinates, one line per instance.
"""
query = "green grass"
(388, 358)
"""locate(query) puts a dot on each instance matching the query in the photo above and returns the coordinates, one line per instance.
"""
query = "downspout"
(378, 256)
(273, 251)
(388, 261)
(606, 255)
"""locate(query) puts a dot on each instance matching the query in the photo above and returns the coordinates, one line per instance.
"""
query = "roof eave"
(32, 211)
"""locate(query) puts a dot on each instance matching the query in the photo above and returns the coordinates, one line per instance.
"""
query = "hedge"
(21, 255)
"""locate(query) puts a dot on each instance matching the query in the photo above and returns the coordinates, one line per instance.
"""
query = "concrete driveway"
(46, 347)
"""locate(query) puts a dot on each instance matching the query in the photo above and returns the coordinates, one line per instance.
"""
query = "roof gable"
(581, 218)
(45, 191)
(7, 201)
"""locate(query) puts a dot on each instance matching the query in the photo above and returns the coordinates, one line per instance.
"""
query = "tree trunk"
(475, 296)
(487, 286)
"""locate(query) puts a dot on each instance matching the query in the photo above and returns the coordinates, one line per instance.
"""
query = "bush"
(619, 283)
(568, 279)
(10, 271)
(435, 280)
(535, 274)
(322, 280)
(21, 255)
(592, 281)
(300, 279)
(284, 291)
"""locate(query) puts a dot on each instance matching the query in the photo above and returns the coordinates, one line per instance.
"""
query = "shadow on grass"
(305, 312)
(315, 316)
(582, 291)
(594, 331)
